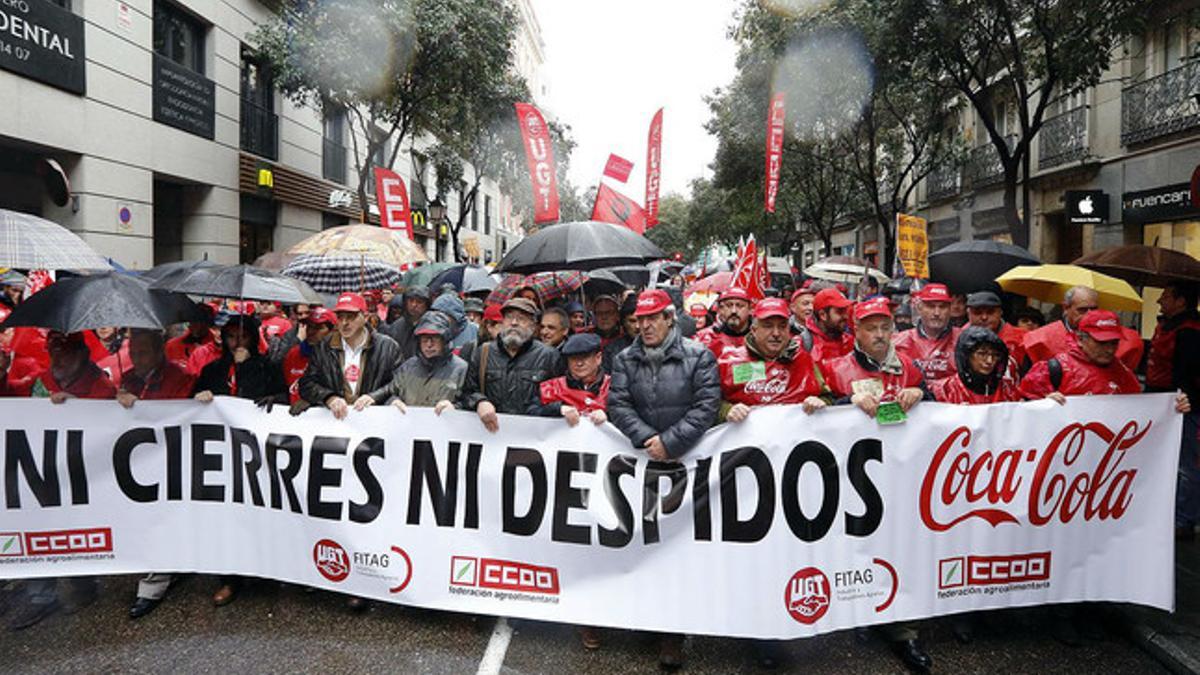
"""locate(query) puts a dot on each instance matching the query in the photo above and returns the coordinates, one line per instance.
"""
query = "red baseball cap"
(492, 313)
(769, 307)
(734, 293)
(872, 307)
(830, 297)
(933, 293)
(321, 315)
(698, 310)
(1101, 325)
(350, 302)
(806, 289)
(653, 301)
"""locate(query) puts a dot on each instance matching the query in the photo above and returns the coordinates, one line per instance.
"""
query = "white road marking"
(493, 656)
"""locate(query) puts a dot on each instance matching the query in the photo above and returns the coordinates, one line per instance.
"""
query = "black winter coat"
(324, 377)
(401, 332)
(678, 403)
(510, 380)
(257, 378)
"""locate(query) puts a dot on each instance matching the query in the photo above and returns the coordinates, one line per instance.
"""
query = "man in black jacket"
(417, 301)
(664, 395)
(504, 374)
(354, 366)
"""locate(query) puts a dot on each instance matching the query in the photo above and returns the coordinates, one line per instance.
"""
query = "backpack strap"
(483, 361)
(1056, 373)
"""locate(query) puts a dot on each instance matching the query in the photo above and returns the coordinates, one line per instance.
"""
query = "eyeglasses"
(988, 355)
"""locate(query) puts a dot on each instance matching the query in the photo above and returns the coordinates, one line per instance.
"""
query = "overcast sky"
(611, 64)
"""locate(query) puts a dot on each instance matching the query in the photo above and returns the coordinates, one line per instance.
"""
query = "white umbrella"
(29, 242)
(845, 273)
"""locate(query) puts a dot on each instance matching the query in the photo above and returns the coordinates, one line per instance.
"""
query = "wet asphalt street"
(275, 628)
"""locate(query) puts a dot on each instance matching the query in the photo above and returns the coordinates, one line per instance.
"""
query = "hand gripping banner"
(539, 156)
(783, 526)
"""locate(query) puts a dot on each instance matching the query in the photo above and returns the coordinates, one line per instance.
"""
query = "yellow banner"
(912, 245)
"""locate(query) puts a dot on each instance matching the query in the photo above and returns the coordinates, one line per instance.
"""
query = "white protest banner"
(785, 525)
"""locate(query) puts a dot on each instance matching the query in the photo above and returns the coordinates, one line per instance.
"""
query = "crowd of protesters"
(660, 374)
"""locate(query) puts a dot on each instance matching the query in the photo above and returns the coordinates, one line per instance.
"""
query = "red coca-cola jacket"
(295, 362)
(559, 391)
(954, 390)
(1014, 339)
(1056, 338)
(180, 349)
(846, 375)
(746, 377)
(718, 341)
(168, 381)
(1079, 376)
(91, 383)
(933, 355)
(824, 347)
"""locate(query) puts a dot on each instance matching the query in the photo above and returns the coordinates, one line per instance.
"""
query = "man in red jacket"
(874, 373)
(770, 369)
(930, 343)
(199, 333)
(824, 335)
(730, 332)
(582, 392)
(152, 377)
(1057, 337)
(1174, 363)
(984, 309)
(1089, 365)
(319, 322)
(71, 374)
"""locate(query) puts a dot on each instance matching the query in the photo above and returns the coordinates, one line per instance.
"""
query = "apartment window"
(333, 151)
(178, 37)
(419, 197)
(260, 125)
(378, 158)
(487, 214)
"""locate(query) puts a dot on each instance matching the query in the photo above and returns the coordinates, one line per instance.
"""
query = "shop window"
(256, 227)
(178, 37)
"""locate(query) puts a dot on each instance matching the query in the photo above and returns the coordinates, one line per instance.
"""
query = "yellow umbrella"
(1049, 283)
(362, 241)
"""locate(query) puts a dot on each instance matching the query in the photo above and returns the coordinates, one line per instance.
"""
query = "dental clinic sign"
(44, 42)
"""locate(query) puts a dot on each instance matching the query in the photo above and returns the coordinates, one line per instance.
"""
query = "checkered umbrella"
(362, 241)
(29, 242)
(338, 274)
(549, 285)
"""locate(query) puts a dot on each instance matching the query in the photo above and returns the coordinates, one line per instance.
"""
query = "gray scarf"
(656, 355)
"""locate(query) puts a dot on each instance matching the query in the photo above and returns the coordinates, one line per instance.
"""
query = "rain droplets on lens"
(384, 39)
(827, 79)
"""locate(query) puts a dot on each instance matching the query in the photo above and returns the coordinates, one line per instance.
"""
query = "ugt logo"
(807, 595)
(331, 560)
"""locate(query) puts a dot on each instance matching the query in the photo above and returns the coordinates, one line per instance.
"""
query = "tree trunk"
(1011, 216)
(1023, 239)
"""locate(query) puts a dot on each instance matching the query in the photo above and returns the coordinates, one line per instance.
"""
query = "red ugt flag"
(539, 156)
(393, 201)
(613, 207)
(653, 168)
(618, 168)
(775, 118)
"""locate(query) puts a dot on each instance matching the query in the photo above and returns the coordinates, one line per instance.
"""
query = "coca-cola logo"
(773, 386)
(963, 483)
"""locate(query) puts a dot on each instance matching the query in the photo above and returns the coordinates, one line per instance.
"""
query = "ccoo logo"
(807, 595)
(331, 560)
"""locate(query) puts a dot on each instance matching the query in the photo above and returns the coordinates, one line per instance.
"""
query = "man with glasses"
(1058, 336)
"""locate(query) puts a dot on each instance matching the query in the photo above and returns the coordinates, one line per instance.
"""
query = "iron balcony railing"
(333, 160)
(983, 168)
(1063, 138)
(260, 130)
(1161, 105)
(943, 182)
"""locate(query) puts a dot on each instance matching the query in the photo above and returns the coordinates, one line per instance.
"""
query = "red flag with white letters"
(653, 168)
(539, 156)
(775, 118)
(618, 168)
(392, 196)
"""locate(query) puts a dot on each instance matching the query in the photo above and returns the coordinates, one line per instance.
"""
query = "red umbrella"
(548, 285)
(713, 283)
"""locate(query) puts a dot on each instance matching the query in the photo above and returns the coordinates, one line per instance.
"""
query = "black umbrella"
(585, 245)
(159, 271)
(970, 266)
(109, 299)
(240, 282)
(603, 282)
(465, 278)
(633, 276)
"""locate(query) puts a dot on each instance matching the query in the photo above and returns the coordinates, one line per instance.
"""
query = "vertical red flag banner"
(613, 207)
(775, 118)
(393, 201)
(653, 168)
(539, 155)
(618, 168)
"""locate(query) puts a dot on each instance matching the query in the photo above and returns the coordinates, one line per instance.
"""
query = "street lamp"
(437, 210)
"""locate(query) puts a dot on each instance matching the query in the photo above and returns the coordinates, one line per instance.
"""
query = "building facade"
(175, 143)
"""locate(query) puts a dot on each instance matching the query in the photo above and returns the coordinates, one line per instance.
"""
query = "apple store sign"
(1086, 207)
